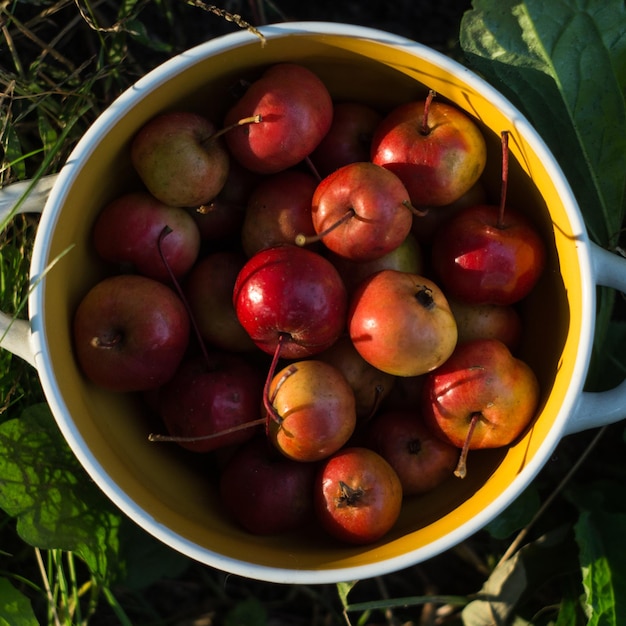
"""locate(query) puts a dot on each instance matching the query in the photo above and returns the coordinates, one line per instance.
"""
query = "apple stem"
(505, 176)
(221, 433)
(303, 240)
(272, 413)
(429, 98)
(378, 396)
(415, 210)
(313, 169)
(252, 119)
(194, 324)
(461, 468)
(100, 342)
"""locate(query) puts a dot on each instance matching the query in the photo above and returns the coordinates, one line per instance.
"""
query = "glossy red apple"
(480, 259)
(216, 395)
(358, 496)
(265, 492)
(127, 234)
(315, 410)
(296, 112)
(208, 289)
(481, 397)
(130, 333)
(361, 211)
(436, 149)
(422, 460)
(349, 138)
(179, 160)
(401, 323)
(278, 209)
(293, 293)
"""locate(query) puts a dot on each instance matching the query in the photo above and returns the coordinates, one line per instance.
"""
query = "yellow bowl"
(154, 484)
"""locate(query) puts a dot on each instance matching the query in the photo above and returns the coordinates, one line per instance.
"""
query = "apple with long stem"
(314, 412)
(296, 111)
(211, 402)
(126, 234)
(436, 149)
(481, 397)
(489, 254)
(130, 333)
(401, 323)
(361, 212)
(292, 302)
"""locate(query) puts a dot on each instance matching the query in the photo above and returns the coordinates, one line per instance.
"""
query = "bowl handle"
(24, 197)
(596, 409)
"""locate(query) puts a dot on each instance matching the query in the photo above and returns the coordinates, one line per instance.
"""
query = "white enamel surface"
(49, 219)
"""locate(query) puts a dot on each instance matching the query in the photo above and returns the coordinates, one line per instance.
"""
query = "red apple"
(264, 492)
(349, 138)
(295, 110)
(212, 402)
(130, 333)
(436, 149)
(421, 459)
(358, 496)
(481, 397)
(401, 323)
(361, 211)
(278, 209)
(291, 293)
(209, 291)
(315, 410)
(127, 232)
(480, 259)
(179, 160)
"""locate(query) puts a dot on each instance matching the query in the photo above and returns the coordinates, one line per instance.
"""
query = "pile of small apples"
(319, 295)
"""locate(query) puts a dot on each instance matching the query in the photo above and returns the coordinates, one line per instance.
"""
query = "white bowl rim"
(49, 218)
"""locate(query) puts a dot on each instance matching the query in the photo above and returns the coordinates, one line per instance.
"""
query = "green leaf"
(343, 589)
(54, 501)
(600, 536)
(563, 64)
(15, 607)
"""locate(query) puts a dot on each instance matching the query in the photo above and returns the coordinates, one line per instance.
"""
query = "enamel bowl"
(174, 499)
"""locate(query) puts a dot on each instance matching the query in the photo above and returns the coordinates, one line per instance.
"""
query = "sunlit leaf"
(15, 607)
(562, 63)
(54, 501)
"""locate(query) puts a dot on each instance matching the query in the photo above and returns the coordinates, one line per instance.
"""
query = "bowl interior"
(171, 490)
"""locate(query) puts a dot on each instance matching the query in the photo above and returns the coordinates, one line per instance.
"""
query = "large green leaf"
(54, 501)
(563, 64)
(58, 506)
(15, 608)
